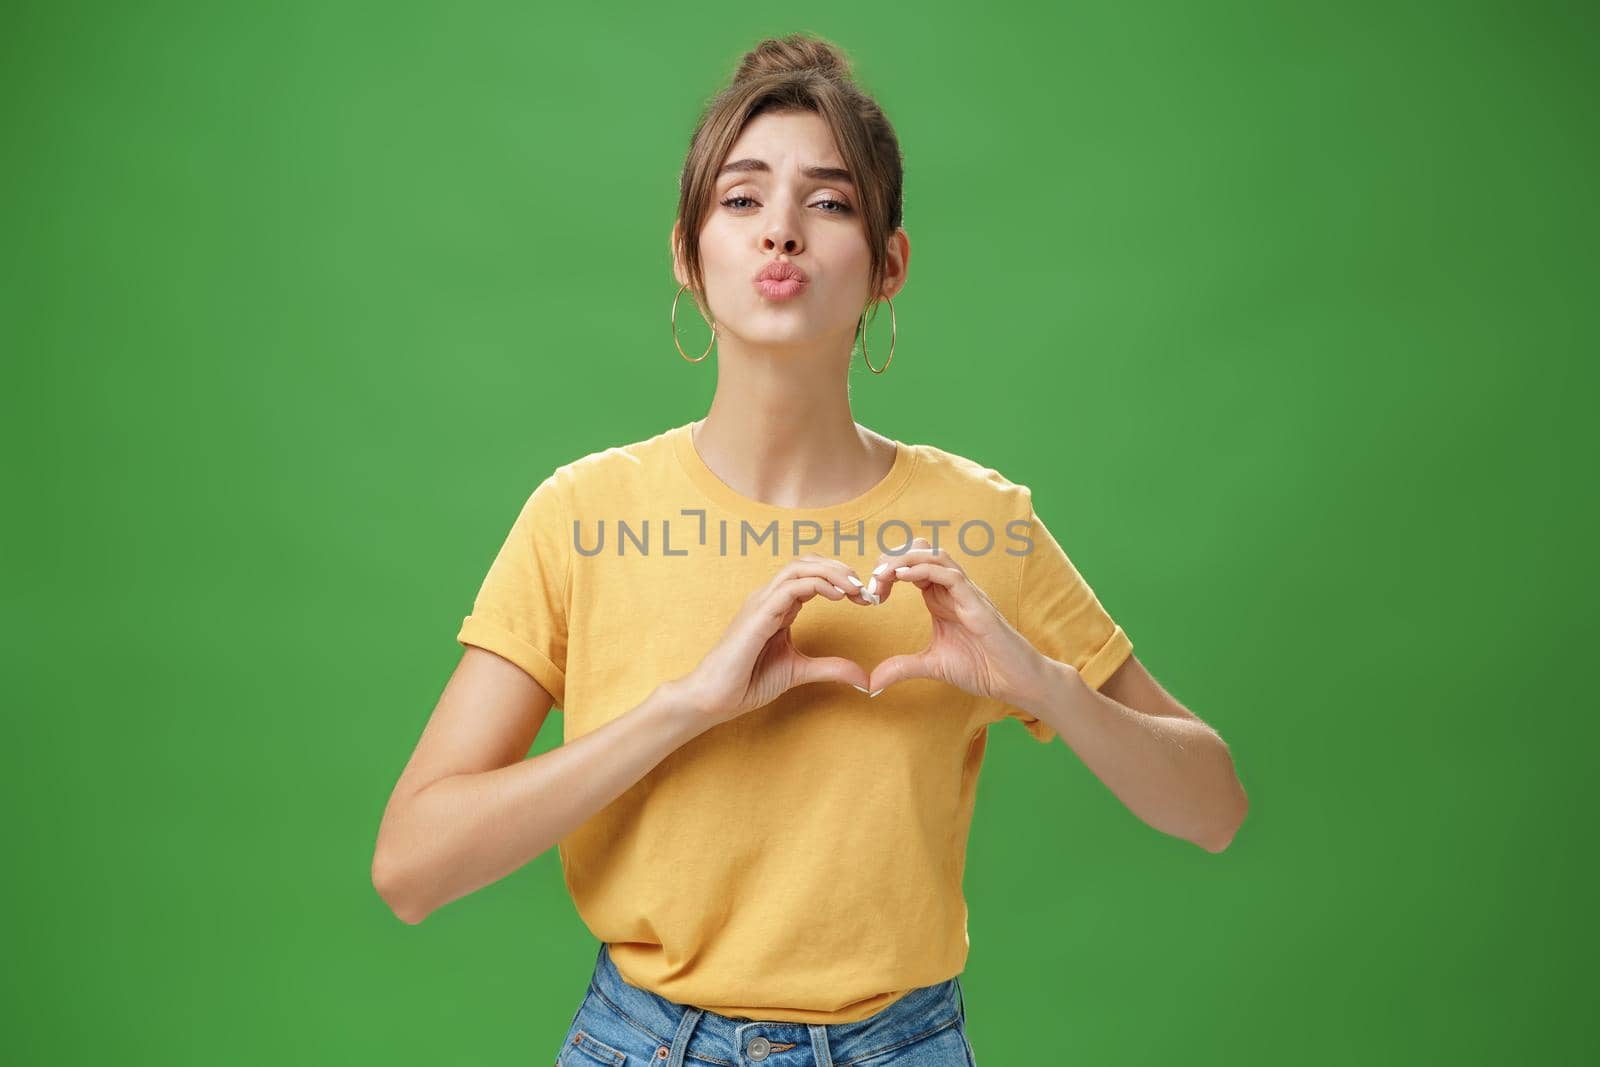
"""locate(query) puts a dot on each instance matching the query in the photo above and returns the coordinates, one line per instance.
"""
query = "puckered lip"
(780, 270)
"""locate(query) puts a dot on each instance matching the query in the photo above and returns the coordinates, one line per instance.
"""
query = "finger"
(878, 583)
(916, 551)
(900, 668)
(803, 588)
(796, 591)
(829, 669)
(926, 575)
(970, 602)
(920, 555)
(921, 574)
(890, 559)
(923, 552)
(837, 571)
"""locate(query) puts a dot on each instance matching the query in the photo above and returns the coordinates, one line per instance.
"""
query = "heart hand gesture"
(756, 661)
(973, 647)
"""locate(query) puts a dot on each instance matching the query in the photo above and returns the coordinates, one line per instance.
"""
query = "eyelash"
(845, 208)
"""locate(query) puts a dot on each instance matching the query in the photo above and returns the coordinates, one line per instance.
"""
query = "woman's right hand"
(755, 661)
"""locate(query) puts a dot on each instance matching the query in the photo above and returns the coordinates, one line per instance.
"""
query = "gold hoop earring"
(679, 347)
(893, 330)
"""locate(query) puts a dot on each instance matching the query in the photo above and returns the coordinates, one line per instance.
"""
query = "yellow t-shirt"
(803, 862)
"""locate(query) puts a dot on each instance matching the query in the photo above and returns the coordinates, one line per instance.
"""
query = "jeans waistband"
(688, 1030)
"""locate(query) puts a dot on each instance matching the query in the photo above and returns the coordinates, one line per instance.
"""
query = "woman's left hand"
(973, 647)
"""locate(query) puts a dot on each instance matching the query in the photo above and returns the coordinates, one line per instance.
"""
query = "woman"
(770, 759)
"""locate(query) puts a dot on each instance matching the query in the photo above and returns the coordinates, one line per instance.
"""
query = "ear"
(678, 271)
(899, 258)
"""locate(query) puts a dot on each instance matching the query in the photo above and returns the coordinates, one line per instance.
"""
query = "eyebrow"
(836, 174)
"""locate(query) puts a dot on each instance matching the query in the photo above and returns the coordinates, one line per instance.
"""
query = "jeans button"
(759, 1048)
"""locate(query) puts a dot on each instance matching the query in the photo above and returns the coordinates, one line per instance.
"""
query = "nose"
(782, 234)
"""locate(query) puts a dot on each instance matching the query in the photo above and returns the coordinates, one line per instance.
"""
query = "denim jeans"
(620, 1025)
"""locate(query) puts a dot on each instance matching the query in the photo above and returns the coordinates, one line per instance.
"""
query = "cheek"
(844, 249)
(717, 247)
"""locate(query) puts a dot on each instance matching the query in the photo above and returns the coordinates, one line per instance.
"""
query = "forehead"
(786, 142)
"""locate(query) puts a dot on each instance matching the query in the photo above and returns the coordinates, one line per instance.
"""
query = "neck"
(780, 430)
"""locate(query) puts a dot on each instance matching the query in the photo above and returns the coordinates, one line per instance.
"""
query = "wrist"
(1048, 676)
(680, 695)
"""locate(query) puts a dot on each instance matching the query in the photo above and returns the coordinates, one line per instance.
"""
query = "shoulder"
(970, 477)
(611, 470)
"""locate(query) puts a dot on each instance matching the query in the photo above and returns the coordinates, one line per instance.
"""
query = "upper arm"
(512, 669)
(1133, 686)
(488, 716)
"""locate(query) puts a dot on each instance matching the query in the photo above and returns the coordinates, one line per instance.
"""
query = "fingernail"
(854, 579)
(841, 589)
(880, 568)
(874, 692)
(872, 587)
(902, 571)
(862, 688)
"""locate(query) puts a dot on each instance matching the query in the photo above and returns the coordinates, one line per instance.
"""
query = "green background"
(1286, 313)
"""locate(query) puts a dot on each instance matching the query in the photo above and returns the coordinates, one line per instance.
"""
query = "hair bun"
(793, 53)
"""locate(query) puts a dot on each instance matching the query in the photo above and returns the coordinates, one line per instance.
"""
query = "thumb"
(829, 669)
(898, 669)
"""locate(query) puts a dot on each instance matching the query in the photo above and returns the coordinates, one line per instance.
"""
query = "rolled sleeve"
(1060, 615)
(520, 612)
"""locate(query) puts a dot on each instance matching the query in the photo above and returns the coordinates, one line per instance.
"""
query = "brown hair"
(799, 72)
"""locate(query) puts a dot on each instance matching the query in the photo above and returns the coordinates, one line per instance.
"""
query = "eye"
(839, 207)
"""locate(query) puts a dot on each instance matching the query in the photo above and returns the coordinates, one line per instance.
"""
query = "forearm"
(464, 831)
(1174, 773)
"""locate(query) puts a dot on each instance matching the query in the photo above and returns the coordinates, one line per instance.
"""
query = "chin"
(781, 324)
(786, 330)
